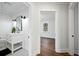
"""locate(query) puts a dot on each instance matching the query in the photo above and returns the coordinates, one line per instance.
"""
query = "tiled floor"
(21, 52)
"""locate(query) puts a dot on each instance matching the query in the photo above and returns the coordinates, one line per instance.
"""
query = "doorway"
(47, 32)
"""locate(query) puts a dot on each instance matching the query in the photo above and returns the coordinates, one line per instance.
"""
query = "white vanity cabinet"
(14, 41)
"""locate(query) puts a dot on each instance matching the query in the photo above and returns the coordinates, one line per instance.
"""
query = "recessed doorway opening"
(47, 32)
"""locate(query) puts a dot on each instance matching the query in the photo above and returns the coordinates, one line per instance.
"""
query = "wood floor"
(48, 48)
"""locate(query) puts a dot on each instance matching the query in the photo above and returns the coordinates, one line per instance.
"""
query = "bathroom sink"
(15, 38)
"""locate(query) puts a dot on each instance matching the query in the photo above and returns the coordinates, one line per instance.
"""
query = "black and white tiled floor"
(21, 52)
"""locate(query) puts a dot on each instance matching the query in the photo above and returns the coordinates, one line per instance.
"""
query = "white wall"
(5, 24)
(61, 25)
(25, 32)
(23, 12)
(34, 30)
(47, 17)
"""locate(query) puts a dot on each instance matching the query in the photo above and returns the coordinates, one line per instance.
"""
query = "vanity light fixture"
(24, 17)
(21, 16)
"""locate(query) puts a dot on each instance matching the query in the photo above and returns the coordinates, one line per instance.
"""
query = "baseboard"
(61, 51)
(65, 51)
(71, 53)
(36, 52)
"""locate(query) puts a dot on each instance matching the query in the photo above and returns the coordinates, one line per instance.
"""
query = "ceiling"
(61, 3)
(13, 8)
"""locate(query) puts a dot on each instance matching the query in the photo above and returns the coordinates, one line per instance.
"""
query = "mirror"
(18, 24)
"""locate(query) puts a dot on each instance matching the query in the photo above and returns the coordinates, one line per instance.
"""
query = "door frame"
(29, 34)
(75, 20)
(55, 26)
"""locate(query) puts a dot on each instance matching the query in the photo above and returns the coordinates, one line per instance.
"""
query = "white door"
(71, 29)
